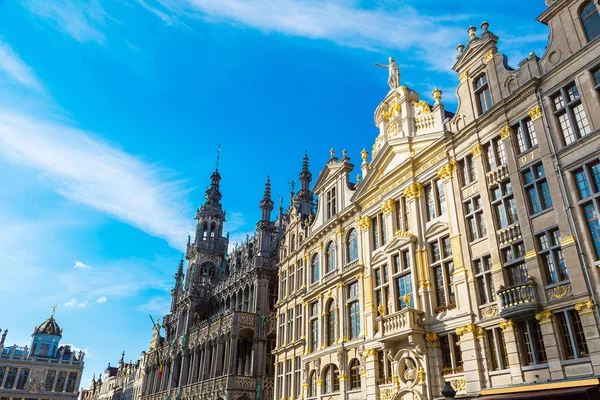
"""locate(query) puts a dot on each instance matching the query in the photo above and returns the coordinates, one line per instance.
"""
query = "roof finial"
(53, 310)
(218, 156)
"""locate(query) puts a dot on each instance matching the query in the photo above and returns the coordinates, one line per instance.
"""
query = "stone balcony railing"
(351, 265)
(509, 234)
(518, 300)
(497, 174)
(402, 322)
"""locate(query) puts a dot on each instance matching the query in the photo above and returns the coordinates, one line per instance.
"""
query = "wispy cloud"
(79, 264)
(82, 20)
(91, 172)
(74, 303)
(101, 300)
(156, 305)
(15, 69)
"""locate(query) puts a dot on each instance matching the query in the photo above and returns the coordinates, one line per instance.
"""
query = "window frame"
(315, 269)
(330, 203)
(539, 185)
(589, 199)
(381, 286)
(472, 213)
(496, 345)
(468, 171)
(526, 135)
(444, 261)
(530, 341)
(402, 273)
(450, 349)
(555, 252)
(482, 92)
(507, 203)
(313, 323)
(583, 18)
(353, 309)
(352, 245)
(355, 378)
(571, 343)
(330, 257)
(567, 108)
(512, 266)
(485, 280)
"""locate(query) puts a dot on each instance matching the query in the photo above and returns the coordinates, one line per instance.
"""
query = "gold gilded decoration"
(490, 311)
(405, 234)
(559, 292)
(476, 150)
(381, 310)
(458, 384)
(421, 376)
(393, 110)
(535, 112)
(364, 222)
(424, 284)
(567, 241)
(530, 254)
(343, 377)
(543, 315)
(469, 328)
(585, 306)
(504, 132)
(406, 299)
(447, 170)
(364, 154)
(431, 337)
(340, 231)
(393, 129)
(369, 353)
(386, 394)
(358, 178)
(413, 191)
(487, 57)
(437, 95)
(508, 324)
(422, 104)
(404, 90)
(464, 76)
(387, 206)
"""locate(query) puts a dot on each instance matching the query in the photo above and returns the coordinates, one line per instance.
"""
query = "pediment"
(437, 227)
(474, 48)
(380, 256)
(331, 170)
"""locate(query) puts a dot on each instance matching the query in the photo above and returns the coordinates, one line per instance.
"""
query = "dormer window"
(331, 208)
(590, 19)
(482, 92)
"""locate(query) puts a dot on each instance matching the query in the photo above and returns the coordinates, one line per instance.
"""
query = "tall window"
(281, 336)
(314, 325)
(590, 20)
(483, 276)
(379, 231)
(298, 321)
(50, 376)
(330, 257)
(513, 258)
(503, 204)
(44, 350)
(331, 379)
(382, 289)
(291, 283)
(435, 196)
(529, 335)
(526, 137)
(451, 355)
(569, 112)
(60, 383)
(402, 215)
(497, 349)
(495, 154)
(353, 305)
(331, 203)
(312, 387)
(354, 374)
(536, 187)
(352, 246)
(596, 75)
(25, 374)
(571, 332)
(552, 256)
(430, 198)
(443, 270)
(12, 374)
(468, 170)
(315, 269)
(293, 243)
(288, 379)
(299, 275)
(283, 287)
(403, 278)
(474, 216)
(589, 200)
(297, 374)
(483, 95)
(280, 380)
(290, 326)
(385, 368)
(331, 323)
(70, 382)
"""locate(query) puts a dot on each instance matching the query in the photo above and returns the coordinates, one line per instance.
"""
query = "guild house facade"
(468, 249)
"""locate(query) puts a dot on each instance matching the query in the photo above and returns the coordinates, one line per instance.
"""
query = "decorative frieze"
(535, 112)
(469, 328)
(413, 191)
(504, 132)
(447, 170)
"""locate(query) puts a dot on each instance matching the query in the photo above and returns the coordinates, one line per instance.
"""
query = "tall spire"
(304, 199)
(305, 175)
(213, 194)
(266, 204)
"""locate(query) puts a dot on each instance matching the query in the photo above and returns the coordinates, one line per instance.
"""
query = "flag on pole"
(160, 365)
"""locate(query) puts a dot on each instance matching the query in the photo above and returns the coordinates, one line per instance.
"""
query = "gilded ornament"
(560, 292)
(405, 234)
(458, 384)
(547, 314)
(469, 328)
(585, 306)
(387, 206)
(321, 246)
(364, 154)
(422, 104)
(504, 132)
(392, 129)
(364, 222)
(431, 337)
(488, 56)
(358, 178)
(447, 170)
(393, 110)
(340, 231)
(476, 150)
(505, 325)
(464, 76)
(567, 241)
(381, 310)
(535, 112)
(421, 376)
(437, 95)
(530, 254)
(406, 299)
(490, 311)
(413, 191)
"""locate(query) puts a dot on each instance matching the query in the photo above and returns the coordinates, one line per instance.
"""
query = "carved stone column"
(469, 346)
(512, 351)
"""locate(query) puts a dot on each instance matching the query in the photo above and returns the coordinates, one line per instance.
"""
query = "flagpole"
(158, 354)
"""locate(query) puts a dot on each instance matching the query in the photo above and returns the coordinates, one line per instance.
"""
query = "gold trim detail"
(413, 191)
(535, 112)
(504, 132)
(506, 325)
(387, 206)
(340, 232)
(476, 150)
(431, 337)
(364, 222)
(469, 328)
(487, 57)
(447, 170)
(547, 314)
(464, 76)
(400, 233)
(567, 241)
(530, 254)
(542, 386)
(585, 306)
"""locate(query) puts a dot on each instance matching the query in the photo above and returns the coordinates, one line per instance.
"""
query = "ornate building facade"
(220, 332)
(45, 370)
(120, 383)
(467, 251)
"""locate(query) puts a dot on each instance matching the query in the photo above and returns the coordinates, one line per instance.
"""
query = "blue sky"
(111, 113)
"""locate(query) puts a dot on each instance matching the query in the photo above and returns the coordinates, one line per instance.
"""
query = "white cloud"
(79, 264)
(91, 172)
(12, 65)
(79, 19)
(101, 300)
(74, 303)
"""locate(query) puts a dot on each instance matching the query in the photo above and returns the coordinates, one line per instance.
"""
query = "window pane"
(566, 128)
(591, 21)
(581, 120)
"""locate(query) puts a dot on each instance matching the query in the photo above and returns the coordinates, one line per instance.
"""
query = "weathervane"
(53, 307)
(218, 156)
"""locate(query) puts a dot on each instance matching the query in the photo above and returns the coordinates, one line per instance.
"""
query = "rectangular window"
(288, 379)
(443, 271)
(503, 204)
(379, 231)
(495, 154)
(281, 335)
(12, 375)
(298, 322)
(550, 251)
(49, 380)
(331, 206)
(570, 115)
(384, 369)
(474, 217)
(483, 276)
(429, 197)
(497, 349)
(526, 136)
(60, 382)
(403, 278)
(451, 354)
(402, 215)
(513, 258)
(483, 94)
(587, 179)
(531, 343)
(24, 375)
(70, 382)
(299, 276)
(290, 326)
(536, 187)
(381, 287)
(574, 344)
(596, 75)
(297, 373)
(468, 170)
(279, 380)
(314, 326)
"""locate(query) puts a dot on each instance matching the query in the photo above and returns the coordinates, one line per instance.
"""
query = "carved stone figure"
(394, 73)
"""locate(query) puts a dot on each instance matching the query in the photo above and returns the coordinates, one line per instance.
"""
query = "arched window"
(590, 20)
(331, 323)
(352, 246)
(354, 374)
(315, 269)
(330, 257)
(293, 242)
(331, 379)
(312, 386)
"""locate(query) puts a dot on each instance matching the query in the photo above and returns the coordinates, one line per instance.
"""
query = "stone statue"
(394, 70)
(410, 372)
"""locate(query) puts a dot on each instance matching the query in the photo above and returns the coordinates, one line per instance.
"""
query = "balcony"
(509, 234)
(497, 174)
(403, 322)
(518, 300)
